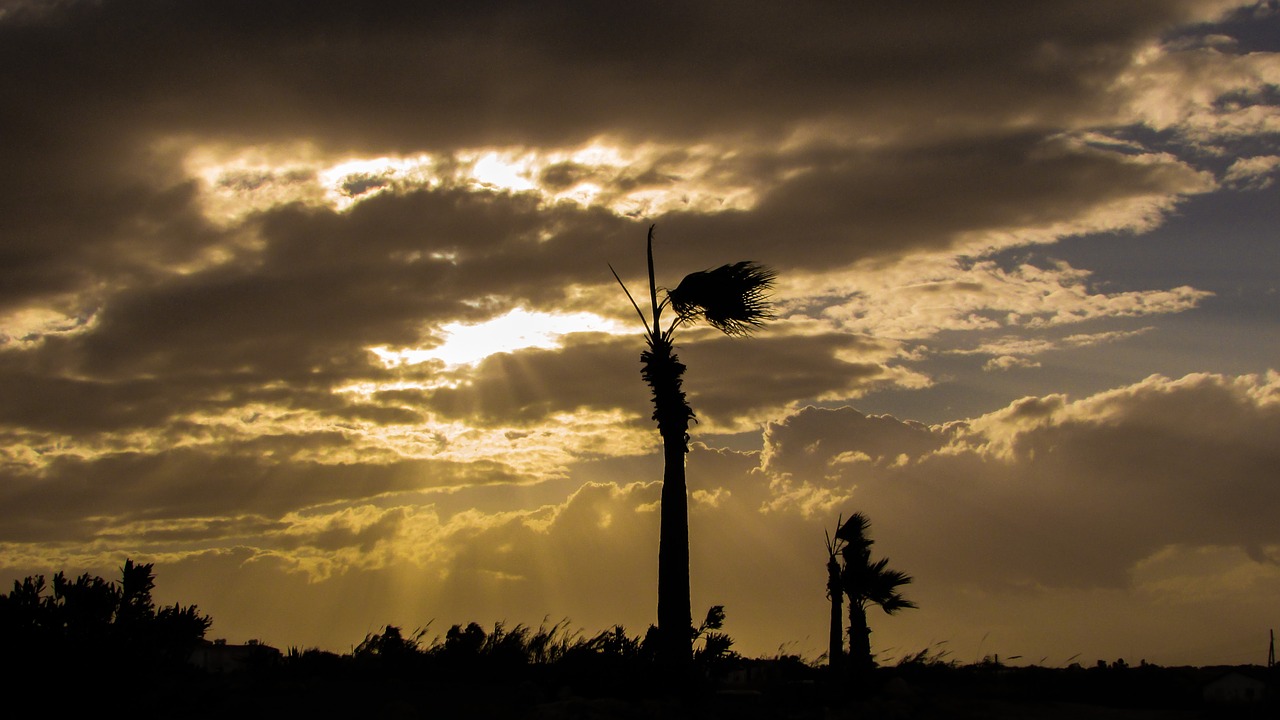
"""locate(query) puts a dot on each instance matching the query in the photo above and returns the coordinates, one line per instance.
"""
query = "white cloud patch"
(1009, 362)
(1203, 93)
(1010, 351)
(930, 295)
(1253, 173)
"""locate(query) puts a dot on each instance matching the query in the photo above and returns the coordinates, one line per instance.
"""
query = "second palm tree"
(865, 583)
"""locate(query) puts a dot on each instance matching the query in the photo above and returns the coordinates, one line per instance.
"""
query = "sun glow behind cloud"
(348, 182)
(503, 171)
(642, 179)
(469, 343)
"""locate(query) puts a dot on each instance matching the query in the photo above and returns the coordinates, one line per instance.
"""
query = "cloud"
(560, 71)
(74, 499)
(1008, 362)
(967, 195)
(1253, 173)
(1013, 351)
(447, 80)
(194, 313)
(1052, 492)
(1220, 92)
(932, 295)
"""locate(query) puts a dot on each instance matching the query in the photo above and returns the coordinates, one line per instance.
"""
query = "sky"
(309, 303)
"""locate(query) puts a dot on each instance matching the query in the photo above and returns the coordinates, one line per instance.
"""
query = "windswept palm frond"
(882, 587)
(891, 605)
(854, 531)
(733, 299)
(867, 581)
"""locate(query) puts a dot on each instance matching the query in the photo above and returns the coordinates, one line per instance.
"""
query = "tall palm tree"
(866, 583)
(733, 299)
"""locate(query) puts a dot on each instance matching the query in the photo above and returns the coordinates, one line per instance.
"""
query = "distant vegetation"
(85, 646)
(611, 660)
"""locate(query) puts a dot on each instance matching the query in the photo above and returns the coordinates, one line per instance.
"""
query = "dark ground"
(336, 687)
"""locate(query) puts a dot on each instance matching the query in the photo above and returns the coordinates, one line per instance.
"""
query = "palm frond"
(733, 299)
(890, 580)
(854, 530)
(867, 581)
(854, 535)
(835, 544)
(643, 320)
(881, 587)
(895, 602)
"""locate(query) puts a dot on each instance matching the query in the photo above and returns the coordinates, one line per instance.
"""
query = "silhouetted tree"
(92, 620)
(390, 645)
(468, 642)
(136, 584)
(84, 612)
(716, 650)
(176, 631)
(615, 643)
(865, 583)
(26, 616)
(835, 593)
(732, 299)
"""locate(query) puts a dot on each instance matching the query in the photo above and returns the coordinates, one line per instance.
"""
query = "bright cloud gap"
(467, 344)
(237, 181)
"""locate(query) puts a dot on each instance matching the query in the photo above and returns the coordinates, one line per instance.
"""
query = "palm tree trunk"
(859, 637)
(675, 621)
(663, 371)
(835, 645)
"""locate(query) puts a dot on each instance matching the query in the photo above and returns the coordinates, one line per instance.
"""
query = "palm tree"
(866, 583)
(732, 299)
(835, 593)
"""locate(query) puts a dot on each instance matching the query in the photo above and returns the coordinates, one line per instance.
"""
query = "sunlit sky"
(309, 303)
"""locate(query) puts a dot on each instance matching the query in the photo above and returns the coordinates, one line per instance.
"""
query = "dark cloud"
(102, 83)
(98, 216)
(731, 378)
(1084, 492)
(531, 385)
(74, 499)
(840, 207)
(804, 444)
(402, 73)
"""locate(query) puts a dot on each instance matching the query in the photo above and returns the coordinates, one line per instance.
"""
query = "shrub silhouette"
(95, 628)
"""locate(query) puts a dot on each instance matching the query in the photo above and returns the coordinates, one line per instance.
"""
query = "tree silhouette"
(835, 593)
(865, 583)
(732, 299)
(92, 621)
